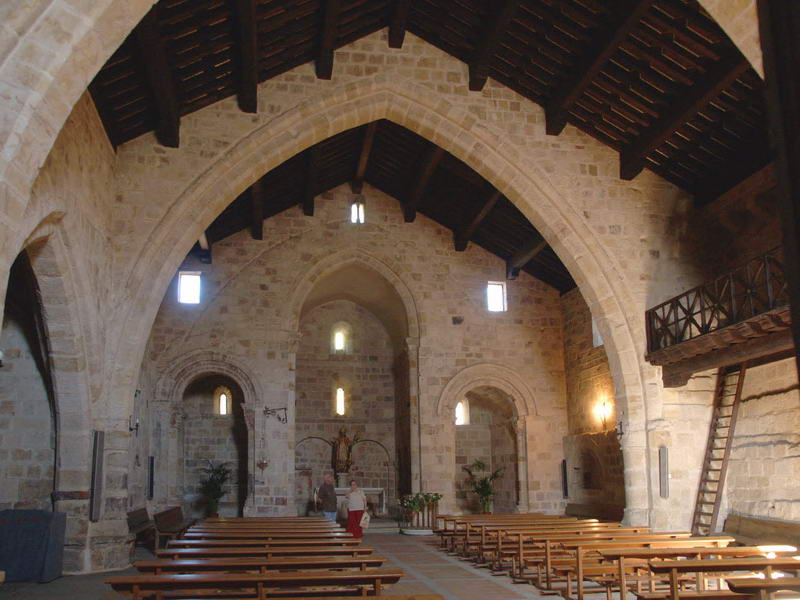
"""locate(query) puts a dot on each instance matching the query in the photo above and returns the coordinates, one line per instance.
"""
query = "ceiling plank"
(397, 25)
(257, 210)
(524, 255)
(417, 191)
(592, 62)
(204, 250)
(312, 165)
(719, 77)
(461, 238)
(366, 147)
(246, 25)
(153, 57)
(331, 10)
(497, 23)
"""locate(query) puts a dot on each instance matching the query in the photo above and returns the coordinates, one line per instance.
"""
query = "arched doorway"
(485, 431)
(215, 432)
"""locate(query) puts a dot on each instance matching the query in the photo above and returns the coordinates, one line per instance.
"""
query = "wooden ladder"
(727, 393)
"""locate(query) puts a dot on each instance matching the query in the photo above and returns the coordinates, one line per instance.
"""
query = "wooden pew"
(265, 535)
(257, 585)
(181, 543)
(763, 589)
(170, 524)
(619, 557)
(262, 551)
(674, 568)
(258, 564)
(462, 525)
(142, 527)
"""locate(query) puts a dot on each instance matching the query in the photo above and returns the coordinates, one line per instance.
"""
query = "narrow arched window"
(462, 413)
(222, 401)
(340, 401)
(341, 338)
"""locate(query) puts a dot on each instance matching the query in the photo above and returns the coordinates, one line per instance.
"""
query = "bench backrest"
(138, 517)
(170, 517)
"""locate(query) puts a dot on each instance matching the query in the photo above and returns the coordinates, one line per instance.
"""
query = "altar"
(341, 500)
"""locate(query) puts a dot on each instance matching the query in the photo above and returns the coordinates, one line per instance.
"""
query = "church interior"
(427, 247)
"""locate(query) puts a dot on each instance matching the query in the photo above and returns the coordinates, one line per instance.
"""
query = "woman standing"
(356, 505)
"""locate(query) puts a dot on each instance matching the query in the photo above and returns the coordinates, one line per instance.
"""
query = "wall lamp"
(619, 430)
(133, 426)
(278, 413)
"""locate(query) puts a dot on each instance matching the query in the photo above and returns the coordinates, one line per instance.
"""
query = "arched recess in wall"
(476, 143)
(340, 283)
(476, 383)
(167, 417)
(65, 370)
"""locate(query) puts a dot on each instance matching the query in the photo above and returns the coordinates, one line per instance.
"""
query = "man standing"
(327, 496)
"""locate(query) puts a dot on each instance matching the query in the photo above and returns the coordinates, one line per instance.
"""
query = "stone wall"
(27, 438)
(365, 372)
(764, 470)
(211, 437)
(253, 287)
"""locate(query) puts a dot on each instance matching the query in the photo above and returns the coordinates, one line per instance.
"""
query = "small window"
(462, 413)
(340, 401)
(189, 287)
(496, 296)
(357, 211)
(222, 401)
(341, 338)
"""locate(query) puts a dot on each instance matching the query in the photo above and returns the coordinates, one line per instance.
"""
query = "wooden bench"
(753, 531)
(265, 535)
(764, 588)
(610, 512)
(262, 551)
(250, 585)
(170, 524)
(259, 564)
(181, 543)
(142, 527)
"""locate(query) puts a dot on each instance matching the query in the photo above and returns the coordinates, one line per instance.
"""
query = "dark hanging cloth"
(31, 544)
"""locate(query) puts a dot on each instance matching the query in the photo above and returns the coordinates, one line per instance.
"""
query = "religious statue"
(342, 455)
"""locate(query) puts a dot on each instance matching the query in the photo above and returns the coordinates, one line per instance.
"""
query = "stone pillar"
(415, 449)
(521, 431)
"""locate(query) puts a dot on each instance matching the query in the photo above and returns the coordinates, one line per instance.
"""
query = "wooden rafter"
(591, 63)
(257, 210)
(363, 159)
(204, 251)
(779, 28)
(331, 10)
(247, 91)
(397, 25)
(524, 255)
(417, 191)
(153, 57)
(497, 23)
(310, 190)
(461, 238)
(719, 77)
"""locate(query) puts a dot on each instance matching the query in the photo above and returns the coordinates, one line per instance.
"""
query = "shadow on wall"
(595, 474)
(214, 429)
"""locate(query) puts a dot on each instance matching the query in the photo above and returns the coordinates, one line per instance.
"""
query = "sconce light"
(262, 464)
(357, 210)
(620, 431)
(278, 413)
(603, 411)
(1, 358)
(132, 426)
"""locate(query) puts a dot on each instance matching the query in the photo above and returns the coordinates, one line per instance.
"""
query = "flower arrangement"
(420, 508)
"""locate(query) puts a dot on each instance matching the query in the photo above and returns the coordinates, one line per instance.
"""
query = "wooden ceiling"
(422, 176)
(657, 80)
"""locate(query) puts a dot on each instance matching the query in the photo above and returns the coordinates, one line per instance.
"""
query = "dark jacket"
(327, 496)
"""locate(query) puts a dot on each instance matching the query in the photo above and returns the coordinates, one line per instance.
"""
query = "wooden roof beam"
(363, 159)
(461, 238)
(331, 11)
(496, 25)
(427, 168)
(312, 167)
(591, 63)
(397, 25)
(257, 210)
(247, 91)
(153, 57)
(524, 255)
(204, 252)
(719, 77)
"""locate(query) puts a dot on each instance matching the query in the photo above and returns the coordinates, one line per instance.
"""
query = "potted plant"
(212, 487)
(482, 486)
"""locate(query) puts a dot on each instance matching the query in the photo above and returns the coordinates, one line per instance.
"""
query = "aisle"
(430, 571)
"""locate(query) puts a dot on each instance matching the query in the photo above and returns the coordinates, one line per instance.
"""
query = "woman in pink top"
(356, 505)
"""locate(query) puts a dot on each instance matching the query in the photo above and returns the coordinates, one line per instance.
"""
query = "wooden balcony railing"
(756, 287)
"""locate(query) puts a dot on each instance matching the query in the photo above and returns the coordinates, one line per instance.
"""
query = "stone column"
(415, 449)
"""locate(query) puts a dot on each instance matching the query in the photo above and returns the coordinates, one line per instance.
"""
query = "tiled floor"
(427, 570)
